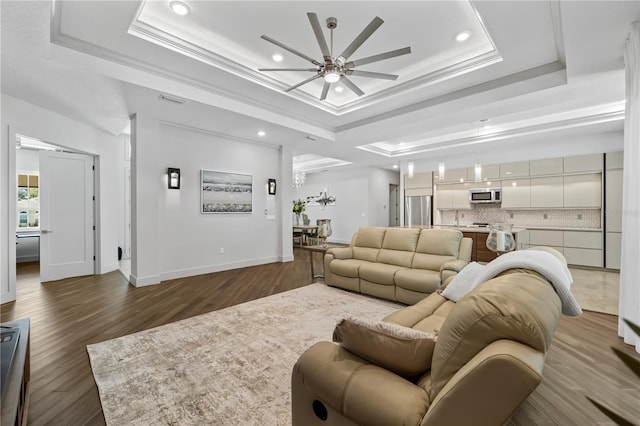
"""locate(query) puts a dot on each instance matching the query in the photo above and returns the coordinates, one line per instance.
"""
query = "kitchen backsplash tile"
(574, 218)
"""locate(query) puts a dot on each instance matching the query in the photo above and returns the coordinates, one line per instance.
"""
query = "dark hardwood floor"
(69, 314)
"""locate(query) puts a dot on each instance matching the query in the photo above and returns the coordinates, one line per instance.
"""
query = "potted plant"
(298, 209)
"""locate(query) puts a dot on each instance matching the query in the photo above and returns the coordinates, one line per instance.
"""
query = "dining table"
(306, 231)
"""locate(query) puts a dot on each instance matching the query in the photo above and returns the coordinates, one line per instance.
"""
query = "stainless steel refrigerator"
(417, 210)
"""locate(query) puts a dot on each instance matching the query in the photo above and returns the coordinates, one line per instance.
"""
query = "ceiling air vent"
(174, 99)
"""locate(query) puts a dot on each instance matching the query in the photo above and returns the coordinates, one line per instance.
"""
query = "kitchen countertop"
(478, 229)
(467, 228)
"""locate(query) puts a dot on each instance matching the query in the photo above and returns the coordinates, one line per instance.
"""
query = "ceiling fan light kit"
(334, 69)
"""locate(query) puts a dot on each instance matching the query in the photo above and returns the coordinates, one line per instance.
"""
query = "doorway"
(54, 211)
(394, 205)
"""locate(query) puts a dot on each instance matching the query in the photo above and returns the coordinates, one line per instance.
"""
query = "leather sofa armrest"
(454, 266)
(341, 252)
(495, 382)
(345, 382)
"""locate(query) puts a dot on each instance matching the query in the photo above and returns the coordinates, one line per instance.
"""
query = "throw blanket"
(546, 264)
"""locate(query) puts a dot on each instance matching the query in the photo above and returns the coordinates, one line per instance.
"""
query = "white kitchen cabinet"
(454, 175)
(548, 166)
(517, 169)
(583, 190)
(613, 201)
(516, 193)
(614, 160)
(614, 245)
(461, 196)
(583, 163)
(444, 196)
(547, 192)
(546, 237)
(583, 239)
(419, 180)
(583, 248)
(490, 172)
(583, 257)
(522, 239)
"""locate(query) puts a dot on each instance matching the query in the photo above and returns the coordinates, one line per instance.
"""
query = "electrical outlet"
(579, 216)
(510, 215)
(545, 216)
(221, 250)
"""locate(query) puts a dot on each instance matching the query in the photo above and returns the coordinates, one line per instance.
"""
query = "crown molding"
(446, 142)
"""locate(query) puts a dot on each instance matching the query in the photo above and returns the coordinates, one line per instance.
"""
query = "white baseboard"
(183, 273)
(144, 281)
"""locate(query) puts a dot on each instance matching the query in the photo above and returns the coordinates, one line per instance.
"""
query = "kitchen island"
(479, 234)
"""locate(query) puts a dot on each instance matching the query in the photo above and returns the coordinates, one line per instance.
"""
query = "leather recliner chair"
(488, 357)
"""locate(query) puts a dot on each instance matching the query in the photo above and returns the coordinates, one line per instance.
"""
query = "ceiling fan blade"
(355, 89)
(295, 52)
(325, 91)
(378, 57)
(288, 69)
(303, 82)
(317, 30)
(371, 74)
(362, 37)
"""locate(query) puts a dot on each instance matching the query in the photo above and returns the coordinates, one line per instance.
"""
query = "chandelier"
(298, 178)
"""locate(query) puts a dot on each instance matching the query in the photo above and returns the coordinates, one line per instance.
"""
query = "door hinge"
(94, 258)
(94, 227)
(93, 198)
(93, 167)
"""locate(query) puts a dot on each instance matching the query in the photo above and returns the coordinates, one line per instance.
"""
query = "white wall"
(172, 238)
(27, 160)
(22, 117)
(362, 195)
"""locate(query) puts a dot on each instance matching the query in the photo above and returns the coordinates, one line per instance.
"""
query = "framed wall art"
(223, 192)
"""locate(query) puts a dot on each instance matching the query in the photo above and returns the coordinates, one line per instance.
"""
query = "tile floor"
(596, 290)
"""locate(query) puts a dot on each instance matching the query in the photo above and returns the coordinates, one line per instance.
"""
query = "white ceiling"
(531, 67)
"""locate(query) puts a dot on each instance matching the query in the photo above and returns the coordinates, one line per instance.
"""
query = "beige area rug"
(228, 367)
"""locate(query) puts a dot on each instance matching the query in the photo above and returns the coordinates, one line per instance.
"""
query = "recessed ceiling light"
(277, 57)
(339, 89)
(179, 8)
(261, 133)
(395, 166)
(463, 36)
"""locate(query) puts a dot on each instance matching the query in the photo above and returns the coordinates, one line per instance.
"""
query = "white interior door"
(66, 215)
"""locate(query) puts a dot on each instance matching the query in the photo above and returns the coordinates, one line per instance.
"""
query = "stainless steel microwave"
(485, 195)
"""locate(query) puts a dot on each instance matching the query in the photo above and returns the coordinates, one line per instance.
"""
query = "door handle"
(45, 231)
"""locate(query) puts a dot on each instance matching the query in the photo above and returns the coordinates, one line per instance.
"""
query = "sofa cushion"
(396, 257)
(430, 261)
(402, 350)
(443, 242)
(399, 246)
(522, 307)
(404, 239)
(379, 273)
(421, 280)
(367, 243)
(371, 237)
(346, 267)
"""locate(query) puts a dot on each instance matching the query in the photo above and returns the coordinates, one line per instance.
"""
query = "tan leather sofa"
(488, 357)
(400, 264)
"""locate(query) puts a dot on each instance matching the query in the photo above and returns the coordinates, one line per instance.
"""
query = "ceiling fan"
(333, 69)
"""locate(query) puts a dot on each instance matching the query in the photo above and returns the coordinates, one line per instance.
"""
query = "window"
(28, 201)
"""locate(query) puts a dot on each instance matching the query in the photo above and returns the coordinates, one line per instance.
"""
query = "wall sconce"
(173, 178)
(272, 187)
